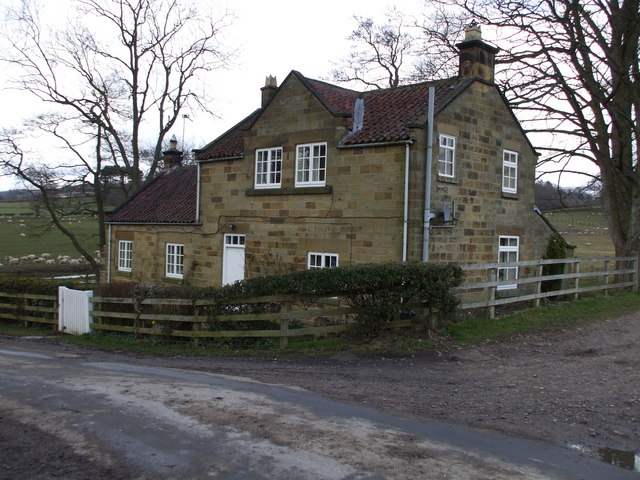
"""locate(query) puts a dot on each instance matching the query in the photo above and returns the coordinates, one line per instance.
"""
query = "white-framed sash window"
(311, 164)
(125, 255)
(447, 156)
(509, 171)
(174, 260)
(508, 252)
(268, 167)
(322, 260)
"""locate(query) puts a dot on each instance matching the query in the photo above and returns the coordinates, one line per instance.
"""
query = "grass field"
(21, 233)
(586, 228)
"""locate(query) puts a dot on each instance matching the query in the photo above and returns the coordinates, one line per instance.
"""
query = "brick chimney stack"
(172, 157)
(269, 90)
(477, 58)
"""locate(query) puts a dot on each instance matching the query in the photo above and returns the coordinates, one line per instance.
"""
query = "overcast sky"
(271, 37)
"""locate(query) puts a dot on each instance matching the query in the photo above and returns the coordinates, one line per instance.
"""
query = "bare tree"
(59, 190)
(570, 68)
(379, 53)
(119, 75)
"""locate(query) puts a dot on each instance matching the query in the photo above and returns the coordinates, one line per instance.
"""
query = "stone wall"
(358, 214)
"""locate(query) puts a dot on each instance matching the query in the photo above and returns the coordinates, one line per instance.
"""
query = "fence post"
(606, 277)
(284, 325)
(539, 285)
(195, 327)
(577, 281)
(637, 272)
(492, 293)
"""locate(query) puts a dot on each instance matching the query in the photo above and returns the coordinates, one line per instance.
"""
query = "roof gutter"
(220, 159)
(182, 224)
(428, 215)
(378, 144)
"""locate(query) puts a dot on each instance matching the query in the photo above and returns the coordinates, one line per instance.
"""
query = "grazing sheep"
(14, 261)
(45, 255)
(23, 234)
(63, 261)
(31, 257)
(38, 260)
(74, 261)
(51, 261)
(1, 265)
(24, 259)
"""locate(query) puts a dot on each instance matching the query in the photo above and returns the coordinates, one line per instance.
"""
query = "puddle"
(620, 458)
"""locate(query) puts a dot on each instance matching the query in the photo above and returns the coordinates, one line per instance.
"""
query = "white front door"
(233, 258)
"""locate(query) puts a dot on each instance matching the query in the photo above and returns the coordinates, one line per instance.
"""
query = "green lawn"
(16, 208)
(22, 234)
(586, 228)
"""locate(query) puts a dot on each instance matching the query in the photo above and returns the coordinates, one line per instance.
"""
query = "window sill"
(443, 179)
(253, 192)
(123, 273)
(177, 280)
(511, 196)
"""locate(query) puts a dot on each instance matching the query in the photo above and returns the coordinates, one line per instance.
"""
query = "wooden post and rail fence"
(291, 315)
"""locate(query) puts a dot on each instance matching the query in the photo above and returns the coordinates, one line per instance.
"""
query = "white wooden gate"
(73, 310)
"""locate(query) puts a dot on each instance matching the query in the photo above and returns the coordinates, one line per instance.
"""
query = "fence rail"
(29, 308)
(290, 316)
(296, 316)
(528, 286)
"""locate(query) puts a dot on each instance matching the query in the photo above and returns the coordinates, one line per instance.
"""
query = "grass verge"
(553, 315)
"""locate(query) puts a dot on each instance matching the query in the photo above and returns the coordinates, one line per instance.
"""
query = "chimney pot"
(472, 32)
(172, 157)
(477, 58)
(269, 89)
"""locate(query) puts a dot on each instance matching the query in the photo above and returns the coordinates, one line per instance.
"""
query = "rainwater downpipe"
(405, 230)
(109, 256)
(427, 180)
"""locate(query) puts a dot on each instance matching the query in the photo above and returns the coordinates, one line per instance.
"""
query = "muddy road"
(547, 405)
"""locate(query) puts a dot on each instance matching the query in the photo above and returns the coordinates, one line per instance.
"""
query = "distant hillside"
(21, 195)
(551, 197)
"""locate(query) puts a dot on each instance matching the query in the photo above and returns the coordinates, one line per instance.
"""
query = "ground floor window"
(508, 253)
(125, 255)
(175, 260)
(322, 260)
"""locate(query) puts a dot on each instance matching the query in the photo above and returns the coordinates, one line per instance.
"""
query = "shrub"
(378, 293)
(556, 249)
(35, 286)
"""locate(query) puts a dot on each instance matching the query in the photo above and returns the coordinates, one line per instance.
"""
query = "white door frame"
(233, 258)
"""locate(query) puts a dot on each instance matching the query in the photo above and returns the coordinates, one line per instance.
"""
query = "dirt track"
(574, 387)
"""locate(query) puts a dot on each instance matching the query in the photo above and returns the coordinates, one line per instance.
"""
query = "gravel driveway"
(574, 387)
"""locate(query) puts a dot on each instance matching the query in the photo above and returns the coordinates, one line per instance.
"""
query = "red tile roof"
(388, 114)
(168, 198)
(230, 144)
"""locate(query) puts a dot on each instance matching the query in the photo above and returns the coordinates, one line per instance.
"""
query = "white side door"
(233, 258)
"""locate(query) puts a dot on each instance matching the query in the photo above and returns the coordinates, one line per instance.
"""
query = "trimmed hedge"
(35, 286)
(379, 293)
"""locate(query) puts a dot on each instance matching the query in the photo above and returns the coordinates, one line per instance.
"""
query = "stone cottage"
(324, 176)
